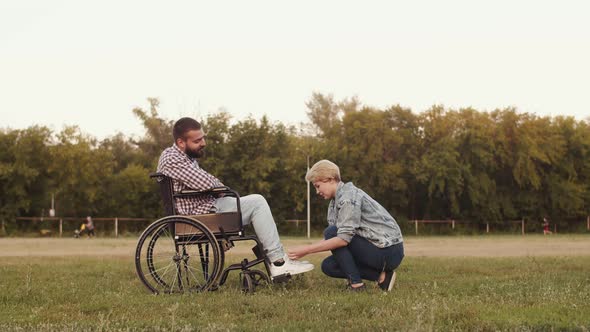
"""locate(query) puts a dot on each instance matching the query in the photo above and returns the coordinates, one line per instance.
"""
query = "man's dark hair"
(183, 126)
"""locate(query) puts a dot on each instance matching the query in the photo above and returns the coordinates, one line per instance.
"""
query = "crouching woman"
(365, 240)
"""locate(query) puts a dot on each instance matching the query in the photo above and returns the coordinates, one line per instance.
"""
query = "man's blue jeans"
(255, 211)
(360, 259)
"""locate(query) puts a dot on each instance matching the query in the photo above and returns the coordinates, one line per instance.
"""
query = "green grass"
(475, 294)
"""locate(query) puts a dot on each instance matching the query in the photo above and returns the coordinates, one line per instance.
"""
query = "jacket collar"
(339, 190)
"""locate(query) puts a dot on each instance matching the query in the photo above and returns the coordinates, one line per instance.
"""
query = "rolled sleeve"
(349, 216)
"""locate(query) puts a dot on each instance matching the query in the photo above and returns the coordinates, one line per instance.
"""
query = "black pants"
(360, 259)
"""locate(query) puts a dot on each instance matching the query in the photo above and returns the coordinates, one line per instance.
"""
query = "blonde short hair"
(323, 170)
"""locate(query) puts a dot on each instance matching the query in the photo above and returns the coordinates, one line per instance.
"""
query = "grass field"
(445, 283)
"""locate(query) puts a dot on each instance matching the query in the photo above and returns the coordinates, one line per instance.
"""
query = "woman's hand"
(297, 253)
(324, 245)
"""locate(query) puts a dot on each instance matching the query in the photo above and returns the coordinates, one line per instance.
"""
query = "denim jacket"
(354, 212)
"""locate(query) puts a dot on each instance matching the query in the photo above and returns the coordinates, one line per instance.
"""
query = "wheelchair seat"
(218, 223)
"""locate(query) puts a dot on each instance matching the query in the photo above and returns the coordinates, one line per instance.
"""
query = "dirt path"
(476, 246)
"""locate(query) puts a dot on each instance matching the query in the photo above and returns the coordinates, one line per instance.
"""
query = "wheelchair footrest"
(281, 278)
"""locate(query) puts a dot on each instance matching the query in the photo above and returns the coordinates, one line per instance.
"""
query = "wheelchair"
(179, 253)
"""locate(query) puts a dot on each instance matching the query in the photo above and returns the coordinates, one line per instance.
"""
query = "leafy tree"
(370, 159)
(125, 152)
(217, 128)
(439, 168)
(250, 162)
(479, 201)
(78, 171)
(23, 172)
(158, 133)
(440, 163)
(132, 194)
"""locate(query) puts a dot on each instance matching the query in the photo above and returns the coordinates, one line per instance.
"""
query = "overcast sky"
(88, 63)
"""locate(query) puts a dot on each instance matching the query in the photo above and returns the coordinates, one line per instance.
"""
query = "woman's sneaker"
(387, 284)
(289, 267)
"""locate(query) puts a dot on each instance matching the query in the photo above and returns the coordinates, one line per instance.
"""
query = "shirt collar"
(181, 152)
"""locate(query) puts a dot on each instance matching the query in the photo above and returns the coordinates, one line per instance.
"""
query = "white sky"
(90, 62)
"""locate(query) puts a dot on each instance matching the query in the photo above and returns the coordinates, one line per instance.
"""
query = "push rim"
(168, 261)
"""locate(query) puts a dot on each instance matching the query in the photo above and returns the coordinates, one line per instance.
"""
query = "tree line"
(438, 164)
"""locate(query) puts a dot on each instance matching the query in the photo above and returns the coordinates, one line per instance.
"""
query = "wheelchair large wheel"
(178, 254)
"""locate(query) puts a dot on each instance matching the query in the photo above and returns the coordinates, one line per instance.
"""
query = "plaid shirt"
(187, 175)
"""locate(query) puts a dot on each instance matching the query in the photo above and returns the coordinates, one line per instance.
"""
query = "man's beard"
(195, 153)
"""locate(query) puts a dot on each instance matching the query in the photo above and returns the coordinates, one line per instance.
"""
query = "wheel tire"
(248, 286)
(259, 277)
(168, 261)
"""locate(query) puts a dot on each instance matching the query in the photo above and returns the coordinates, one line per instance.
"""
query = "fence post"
(416, 223)
(522, 223)
(487, 227)
(60, 227)
(588, 223)
(116, 227)
(453, 223)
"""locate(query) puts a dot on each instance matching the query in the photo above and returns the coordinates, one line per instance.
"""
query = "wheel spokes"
(167, 262)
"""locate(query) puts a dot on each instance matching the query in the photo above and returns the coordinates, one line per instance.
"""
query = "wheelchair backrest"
(166, 192)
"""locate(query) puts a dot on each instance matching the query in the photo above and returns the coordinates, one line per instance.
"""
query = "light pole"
(308, 202)
(52, 210)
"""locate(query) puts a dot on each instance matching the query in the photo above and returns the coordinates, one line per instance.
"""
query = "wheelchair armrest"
(213, 191)
(188, 193)
(226, 191)
(157, 175)
(168, 194)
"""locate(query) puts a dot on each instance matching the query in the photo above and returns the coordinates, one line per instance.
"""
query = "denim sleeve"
(349, 217)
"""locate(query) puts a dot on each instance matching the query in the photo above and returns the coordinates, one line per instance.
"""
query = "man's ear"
(180, 143)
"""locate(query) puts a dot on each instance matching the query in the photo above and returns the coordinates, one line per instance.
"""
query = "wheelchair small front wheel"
(259, 278)
(248, 286)
(178, 254)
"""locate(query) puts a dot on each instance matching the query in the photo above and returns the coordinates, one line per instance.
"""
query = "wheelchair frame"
(167, 249)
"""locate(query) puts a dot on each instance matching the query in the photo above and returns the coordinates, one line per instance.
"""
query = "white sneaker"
(290, 267)
(387, 284)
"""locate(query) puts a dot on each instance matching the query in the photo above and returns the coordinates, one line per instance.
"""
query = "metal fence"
(523, 224)
(61, 221)
(113, 226)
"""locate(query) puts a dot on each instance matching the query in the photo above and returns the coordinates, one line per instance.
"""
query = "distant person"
(86, 228)
(546, 226)
(365, 240)
(179, 162)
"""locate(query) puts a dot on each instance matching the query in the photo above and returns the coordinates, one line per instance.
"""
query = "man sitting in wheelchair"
(179, 162)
